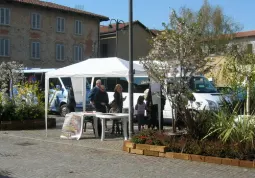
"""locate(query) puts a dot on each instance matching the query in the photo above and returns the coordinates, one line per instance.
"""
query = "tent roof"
(98, 67)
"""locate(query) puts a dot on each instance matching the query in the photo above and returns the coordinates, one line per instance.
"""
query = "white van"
(205, 94)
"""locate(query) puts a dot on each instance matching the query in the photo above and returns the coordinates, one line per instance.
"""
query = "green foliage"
(22, 106)
(231, 128)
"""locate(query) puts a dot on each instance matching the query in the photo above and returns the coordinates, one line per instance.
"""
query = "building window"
(60, 24)
(36, 21)
(4, 47)
(104, 50)
(35, 50)
(60, 55)
(4, 16)
(78, 27)
(77, 53)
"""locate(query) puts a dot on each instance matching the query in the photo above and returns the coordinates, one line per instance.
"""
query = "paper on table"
(72, 127)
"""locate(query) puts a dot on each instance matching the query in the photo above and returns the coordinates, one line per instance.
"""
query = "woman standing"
(118, 98)
(118, 105)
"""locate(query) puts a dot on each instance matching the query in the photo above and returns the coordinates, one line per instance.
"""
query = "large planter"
(27, 124)
(160, 151)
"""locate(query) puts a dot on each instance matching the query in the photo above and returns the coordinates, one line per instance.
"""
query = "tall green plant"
(229, 127)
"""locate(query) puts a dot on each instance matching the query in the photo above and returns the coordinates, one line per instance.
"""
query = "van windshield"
(201, 85)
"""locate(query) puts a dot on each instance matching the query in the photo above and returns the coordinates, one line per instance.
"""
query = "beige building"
(217, 72)
(47, 35)
(141, 37)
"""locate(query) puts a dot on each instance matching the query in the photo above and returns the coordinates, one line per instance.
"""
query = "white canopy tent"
(94, 67)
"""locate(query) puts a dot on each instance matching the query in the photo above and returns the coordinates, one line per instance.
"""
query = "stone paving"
(30, 154)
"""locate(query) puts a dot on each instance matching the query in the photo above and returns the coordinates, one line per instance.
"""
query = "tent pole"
(46, 95)
(84, 94)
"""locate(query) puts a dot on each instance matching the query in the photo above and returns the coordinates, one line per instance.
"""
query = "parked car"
(237, 94)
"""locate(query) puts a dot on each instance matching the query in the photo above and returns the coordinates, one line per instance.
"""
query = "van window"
(67, 82)
(140, 83)
(53, 82)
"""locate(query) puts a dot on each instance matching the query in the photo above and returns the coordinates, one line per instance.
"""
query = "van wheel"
(63, 110)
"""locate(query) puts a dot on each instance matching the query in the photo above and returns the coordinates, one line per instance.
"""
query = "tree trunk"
(248, 97)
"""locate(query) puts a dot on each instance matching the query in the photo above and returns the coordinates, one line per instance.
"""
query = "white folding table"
(111, 116)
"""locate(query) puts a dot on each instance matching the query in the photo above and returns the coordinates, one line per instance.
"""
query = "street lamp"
(117, 22)
(131, 73)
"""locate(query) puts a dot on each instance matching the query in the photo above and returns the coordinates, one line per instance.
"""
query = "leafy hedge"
(10, 111)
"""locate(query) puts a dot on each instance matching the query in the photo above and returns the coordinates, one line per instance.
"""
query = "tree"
(181, 49)
(239, 69)
(10, 74)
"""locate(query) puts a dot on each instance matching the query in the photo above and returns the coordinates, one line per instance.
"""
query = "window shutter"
(1, 15)
(6, 45)
(7, 16)
(80, 28)
(76, 27)
(80, 57)
(38, 21)
(33, 20)
(33, 50)
(38, 50)
(62, 52)
(1, 47)
(58, 24)
(62, 24)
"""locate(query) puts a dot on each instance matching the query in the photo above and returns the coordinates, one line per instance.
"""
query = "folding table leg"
(103, 129)
(124, 121)
(95, 125)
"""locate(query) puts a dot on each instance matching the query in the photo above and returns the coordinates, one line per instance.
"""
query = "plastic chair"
(88, 119)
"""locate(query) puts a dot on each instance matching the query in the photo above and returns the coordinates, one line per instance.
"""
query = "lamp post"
(117, 22)
(131, 77)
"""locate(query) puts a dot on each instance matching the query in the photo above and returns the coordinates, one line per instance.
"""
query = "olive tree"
(239, 70)
(182, 48)
(10, 74)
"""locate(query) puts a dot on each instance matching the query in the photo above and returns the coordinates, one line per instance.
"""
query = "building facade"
(47, 35)
(141, 40)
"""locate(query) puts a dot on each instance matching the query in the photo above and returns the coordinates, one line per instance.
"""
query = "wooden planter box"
(181, 156)
(198, 158)
(27, 124)
(244, 163)
(231, 162)
(160, 151)
(211, 159)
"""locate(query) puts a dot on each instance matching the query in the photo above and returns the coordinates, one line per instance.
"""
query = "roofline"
(71, 10)
(127, 24)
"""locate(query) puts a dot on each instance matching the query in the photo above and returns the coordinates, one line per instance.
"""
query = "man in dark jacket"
(71, 104)
(101, 100)
(94, 91)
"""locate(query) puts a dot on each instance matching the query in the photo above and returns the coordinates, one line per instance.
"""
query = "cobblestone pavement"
(30, 154)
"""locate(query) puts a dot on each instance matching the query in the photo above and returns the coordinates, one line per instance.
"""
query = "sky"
(152, 13)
